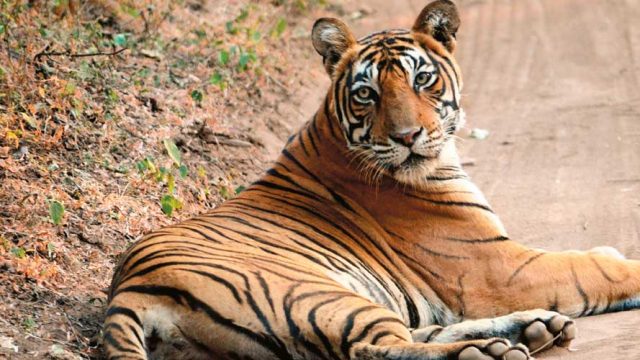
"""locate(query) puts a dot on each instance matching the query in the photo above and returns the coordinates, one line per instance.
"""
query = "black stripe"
(311, 130)
(453, 203)
(281, 176)
(118, 310)
(265, 290)
(294, 329)
(316, 329)
(498, 238)
(217, 279)
(425, 249)
(365, 331)
(350, 322)
(175, 263)
(110, 340)
(335, 196)
(583, 294)
(519, 269)
(602, 271)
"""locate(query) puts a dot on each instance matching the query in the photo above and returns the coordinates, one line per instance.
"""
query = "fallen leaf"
(152, 54)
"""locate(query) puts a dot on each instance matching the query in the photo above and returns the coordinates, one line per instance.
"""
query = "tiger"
(365, 240)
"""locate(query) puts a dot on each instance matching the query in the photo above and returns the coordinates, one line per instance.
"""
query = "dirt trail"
(557, 85)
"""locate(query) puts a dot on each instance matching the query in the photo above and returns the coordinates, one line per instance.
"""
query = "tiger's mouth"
(413, 160)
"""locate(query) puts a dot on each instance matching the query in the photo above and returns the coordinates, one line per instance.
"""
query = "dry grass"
(92, 99)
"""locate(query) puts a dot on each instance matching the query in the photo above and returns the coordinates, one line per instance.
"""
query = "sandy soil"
(557, 84)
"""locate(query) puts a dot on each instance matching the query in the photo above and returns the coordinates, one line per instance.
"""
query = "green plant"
(56, 211)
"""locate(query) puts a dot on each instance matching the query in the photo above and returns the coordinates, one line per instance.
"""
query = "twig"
(72, 55)
(280, 85)
(546, 344)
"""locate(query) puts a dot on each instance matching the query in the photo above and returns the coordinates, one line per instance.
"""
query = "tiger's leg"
(344, 325)
(573, 283)
(537, 329)
(491, 349)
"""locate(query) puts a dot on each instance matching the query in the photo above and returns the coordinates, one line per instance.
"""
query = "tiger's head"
(396, 93)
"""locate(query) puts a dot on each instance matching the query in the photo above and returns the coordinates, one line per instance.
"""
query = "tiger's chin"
(415, 173)
(416, 169)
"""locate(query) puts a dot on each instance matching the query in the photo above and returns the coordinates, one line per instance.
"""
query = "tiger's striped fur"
(365, 240)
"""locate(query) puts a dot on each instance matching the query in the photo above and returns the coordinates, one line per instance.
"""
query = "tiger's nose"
(406, 137)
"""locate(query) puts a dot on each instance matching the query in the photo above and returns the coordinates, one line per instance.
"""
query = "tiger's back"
(239, 274)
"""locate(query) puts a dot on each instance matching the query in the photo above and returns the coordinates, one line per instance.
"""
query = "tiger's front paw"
(542, 334)
(495, 349)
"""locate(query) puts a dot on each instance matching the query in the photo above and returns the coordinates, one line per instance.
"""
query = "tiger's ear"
(439, 19)
(331, 39)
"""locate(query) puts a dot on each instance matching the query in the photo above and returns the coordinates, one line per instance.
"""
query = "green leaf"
(215, 79)
(231, 29)
(224, 192)
(171, 183)
(69, 89)
(18, 252)
(240, 189)
(255, 36)
(202, 172)
(200, 33)
(280, 27)
(223, 57)
(29, 323)
(173, 151)
(2, 27)
(56, 212)
(169, 204)
(142, 166)
(44, 32)
(51, 249)
(197, 96)
(120, 40)
(183, 170)
(162, 173)
(244, 61)
(244, 13)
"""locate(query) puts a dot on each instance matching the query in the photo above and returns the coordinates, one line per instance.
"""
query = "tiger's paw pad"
(559, 330)
(497, 349)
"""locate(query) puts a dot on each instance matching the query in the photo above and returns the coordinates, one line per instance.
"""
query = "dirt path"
(557, 85)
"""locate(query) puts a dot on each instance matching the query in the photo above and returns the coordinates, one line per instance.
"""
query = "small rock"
(479, 134)
(21, 153)
(7, 343)
(58, 352)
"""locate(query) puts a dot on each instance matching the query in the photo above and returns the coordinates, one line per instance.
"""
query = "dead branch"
(72, 55)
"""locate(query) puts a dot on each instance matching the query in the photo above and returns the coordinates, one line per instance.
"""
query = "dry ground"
(556, 83)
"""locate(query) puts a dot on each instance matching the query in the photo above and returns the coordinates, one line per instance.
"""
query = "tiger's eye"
(364, 93)
(423, 78)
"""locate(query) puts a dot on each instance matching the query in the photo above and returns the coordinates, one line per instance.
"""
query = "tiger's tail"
(140, 326)
(123, 334)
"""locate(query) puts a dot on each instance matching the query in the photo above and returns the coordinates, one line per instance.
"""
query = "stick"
(69, 54)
